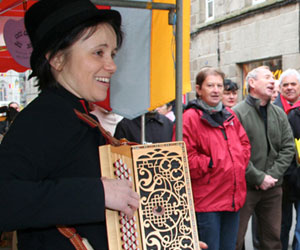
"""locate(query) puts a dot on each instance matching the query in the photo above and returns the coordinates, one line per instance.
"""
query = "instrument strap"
(93, 123)
(107, 135)
(73, 236)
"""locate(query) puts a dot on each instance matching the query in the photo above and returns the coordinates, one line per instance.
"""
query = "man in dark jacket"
(294, 178)
(289, 84)
(272, 149)
(158, 128)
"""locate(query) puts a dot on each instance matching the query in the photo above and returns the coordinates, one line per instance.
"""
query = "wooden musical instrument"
(160, 174)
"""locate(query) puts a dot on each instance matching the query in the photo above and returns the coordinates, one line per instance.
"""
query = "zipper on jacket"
(224, 133)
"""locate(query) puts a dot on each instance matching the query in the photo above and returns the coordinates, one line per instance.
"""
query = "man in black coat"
(289, 85)
(158, 128)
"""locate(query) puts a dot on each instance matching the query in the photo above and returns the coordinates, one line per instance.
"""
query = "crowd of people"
(243, 160)
(242, 155)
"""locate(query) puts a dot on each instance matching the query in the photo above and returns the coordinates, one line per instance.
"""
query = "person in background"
(14, 105)
(11, 112)
(255, 234)
(50, 175)
(288, 99)
(218, 152)
(289, 89)
(158, 128)
(167, 110)
(294, 178)
(230, 94)
(272, 149)
(276, 91)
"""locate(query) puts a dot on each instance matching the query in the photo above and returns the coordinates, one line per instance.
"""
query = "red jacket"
(218, 157)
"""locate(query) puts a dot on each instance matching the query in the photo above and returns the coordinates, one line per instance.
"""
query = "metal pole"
(143, 5)
(135, 4)
(143, 128)
(179, 46)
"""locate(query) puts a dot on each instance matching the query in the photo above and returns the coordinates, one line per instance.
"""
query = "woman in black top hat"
(49, 161)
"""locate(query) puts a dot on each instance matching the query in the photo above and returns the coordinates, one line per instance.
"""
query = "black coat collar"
(77, 103)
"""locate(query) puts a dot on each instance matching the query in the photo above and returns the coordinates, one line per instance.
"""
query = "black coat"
(294, 119)
(278, 102)
(158, 128)
(50, 175)
(294, 178)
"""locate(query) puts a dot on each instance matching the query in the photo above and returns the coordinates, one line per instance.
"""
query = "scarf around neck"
(210, 109)
(287, 107)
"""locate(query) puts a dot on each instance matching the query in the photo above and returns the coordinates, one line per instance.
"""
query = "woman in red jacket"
(218, 151)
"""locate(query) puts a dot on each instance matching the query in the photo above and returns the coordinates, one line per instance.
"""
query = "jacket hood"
(193, 104)
(226, 113)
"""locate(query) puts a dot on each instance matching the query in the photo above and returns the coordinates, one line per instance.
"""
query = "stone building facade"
(238, 35)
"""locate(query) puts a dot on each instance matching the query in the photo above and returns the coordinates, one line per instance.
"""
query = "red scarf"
(287, 107)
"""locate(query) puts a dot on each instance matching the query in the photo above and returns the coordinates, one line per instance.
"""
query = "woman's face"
(86, 67)
(211, 90)
(229, 98)
(163, 110)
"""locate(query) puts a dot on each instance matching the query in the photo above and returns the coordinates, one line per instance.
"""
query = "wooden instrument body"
(160, 175)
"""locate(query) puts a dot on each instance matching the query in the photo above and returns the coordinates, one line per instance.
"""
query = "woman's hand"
(203, 245)
(120, 196)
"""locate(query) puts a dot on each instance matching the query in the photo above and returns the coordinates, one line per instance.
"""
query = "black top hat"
(51, 18)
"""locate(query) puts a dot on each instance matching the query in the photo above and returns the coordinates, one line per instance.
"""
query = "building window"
(209, 10)
(257, 1)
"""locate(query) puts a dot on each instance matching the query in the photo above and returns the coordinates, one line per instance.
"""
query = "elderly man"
(289, 85)
(288, 99)
(272, 149)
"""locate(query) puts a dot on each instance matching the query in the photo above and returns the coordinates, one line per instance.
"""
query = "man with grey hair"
(288, 99)
(272, 149)
(289, 85)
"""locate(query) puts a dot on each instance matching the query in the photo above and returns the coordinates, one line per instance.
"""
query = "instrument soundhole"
(159, 210)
